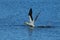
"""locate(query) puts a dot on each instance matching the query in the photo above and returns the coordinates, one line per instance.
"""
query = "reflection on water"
(25, 33)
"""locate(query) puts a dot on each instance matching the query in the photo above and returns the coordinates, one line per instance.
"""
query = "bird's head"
(26, 23)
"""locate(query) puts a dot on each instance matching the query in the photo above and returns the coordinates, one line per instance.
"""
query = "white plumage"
(31, 22)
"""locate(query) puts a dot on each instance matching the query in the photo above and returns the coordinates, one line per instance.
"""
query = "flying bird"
(31, 20)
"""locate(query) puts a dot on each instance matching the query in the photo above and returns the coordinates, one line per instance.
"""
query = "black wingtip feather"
(30, 13)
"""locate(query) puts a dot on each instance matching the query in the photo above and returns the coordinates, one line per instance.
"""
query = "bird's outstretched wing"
(30, 15)
(36, 16)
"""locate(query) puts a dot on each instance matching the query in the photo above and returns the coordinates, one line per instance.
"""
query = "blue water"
(15, 12)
